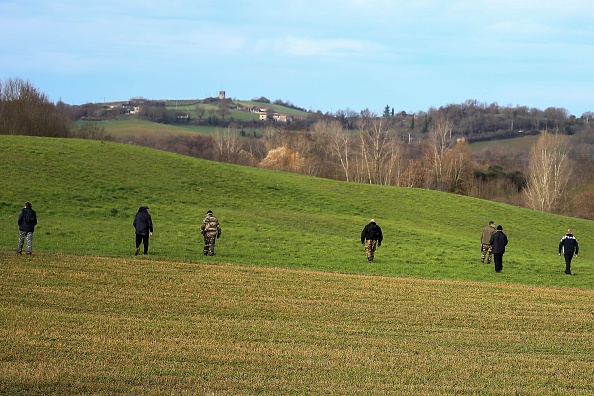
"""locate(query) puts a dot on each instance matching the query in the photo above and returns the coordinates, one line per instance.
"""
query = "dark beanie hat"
(499, 227)
(209, 212)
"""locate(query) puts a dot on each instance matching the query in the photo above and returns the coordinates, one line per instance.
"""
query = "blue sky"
(321, 55)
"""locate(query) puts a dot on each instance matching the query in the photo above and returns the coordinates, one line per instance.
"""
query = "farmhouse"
(276, 117)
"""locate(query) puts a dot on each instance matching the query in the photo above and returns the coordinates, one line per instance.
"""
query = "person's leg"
(568, 263)
(205, 249)
(145, 242)
(368, 250)
(22, 235)
(373, 248)
(484, 249)
(490, 250)
(497, 258)
(211, 243)
(138, 241)
(29, 242)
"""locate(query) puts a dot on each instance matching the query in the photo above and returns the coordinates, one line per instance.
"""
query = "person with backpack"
(211, 231)
(371, 237)
(570, 248)
(27, 222)
(144, 228)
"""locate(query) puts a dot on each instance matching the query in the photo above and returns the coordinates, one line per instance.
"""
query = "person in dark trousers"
(485, 238)
(27, 222)
(371, 237)
(144, 228)
(570, 248)
(498, 243)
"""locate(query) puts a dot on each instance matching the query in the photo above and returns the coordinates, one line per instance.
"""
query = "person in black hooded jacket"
(27, 222)
(144, 228)
(498, 242)
(371, 237)
(570, 248)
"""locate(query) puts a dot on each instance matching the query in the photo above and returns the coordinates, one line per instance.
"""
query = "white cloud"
(296, 46)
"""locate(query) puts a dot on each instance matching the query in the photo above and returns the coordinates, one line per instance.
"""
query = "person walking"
(570, 248)
(143, 223)
(27, 222)
(486, 249)
(498, 243)
(210, 231)
(371, 237)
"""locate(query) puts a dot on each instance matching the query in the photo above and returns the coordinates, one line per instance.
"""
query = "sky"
(325, 55)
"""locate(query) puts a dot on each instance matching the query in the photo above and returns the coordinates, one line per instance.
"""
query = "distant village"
(264, 112)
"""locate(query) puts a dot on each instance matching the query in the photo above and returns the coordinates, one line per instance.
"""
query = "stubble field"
(90, 325)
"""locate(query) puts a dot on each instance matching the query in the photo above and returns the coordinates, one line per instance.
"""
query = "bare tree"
(26, 111)
(458, 168)
(284, 159)
(200, 111)
(440, 141)
(549, 173)
(374, 135)
(224, 109)
(339, 141)
(228, 144)
(415, 174)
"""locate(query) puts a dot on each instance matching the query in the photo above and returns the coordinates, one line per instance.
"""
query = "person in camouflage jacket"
(210, 231)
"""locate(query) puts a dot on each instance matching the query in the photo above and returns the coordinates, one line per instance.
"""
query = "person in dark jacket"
(144, 228)
(570, 248)
(371, 237)
(498, 243)
(27, 222)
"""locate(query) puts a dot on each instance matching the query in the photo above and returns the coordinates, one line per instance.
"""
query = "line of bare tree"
(366, 148)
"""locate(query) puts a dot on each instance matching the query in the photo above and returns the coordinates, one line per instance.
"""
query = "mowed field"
(289, 305)
(96, 325)
(135, 127)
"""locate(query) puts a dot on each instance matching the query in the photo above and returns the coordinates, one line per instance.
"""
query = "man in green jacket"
(486, 248)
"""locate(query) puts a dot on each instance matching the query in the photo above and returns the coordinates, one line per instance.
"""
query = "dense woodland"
(424, 150)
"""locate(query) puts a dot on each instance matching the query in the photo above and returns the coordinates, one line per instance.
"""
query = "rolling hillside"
(84, 316)
(87, 192)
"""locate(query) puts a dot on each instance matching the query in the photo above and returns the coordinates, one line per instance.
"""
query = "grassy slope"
(87, 192)
(127, 325)
(523, 143)
(132, 126)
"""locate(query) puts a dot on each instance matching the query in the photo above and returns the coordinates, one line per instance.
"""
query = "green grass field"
(132, 126)
(289, 305)
(523, 143)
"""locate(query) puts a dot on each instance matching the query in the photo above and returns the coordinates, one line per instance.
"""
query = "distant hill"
(87, 192)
